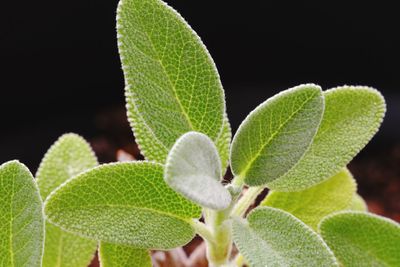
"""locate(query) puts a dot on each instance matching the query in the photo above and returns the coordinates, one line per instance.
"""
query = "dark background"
(60, 70)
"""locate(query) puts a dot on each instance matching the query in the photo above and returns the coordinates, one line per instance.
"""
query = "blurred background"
(60, 71)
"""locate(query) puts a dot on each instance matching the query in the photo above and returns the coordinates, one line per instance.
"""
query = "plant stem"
(202, 230)
(246, 200)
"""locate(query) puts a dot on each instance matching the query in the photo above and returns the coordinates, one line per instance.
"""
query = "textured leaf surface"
(313, 204)
(21, 217)
(276, 134)
(193, 169)
(127, 203)
(223, 143)
(362, 239)
(352, 116)
(172, 85)
(69, 156)
(273, 237)
(112, 255)
(358, 203)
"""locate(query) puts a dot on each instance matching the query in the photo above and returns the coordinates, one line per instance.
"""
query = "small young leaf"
(126, 203)
(112, 255)
(351, 118)
(21, 217)
(276, 134)
(362, 239)
(358, 203)
(193, 169)
(70, 155)
(172, 85)
(223, 144)
(273, 237)
(314, 203)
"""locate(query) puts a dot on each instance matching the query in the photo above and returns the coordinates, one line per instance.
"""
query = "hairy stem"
(246, 200)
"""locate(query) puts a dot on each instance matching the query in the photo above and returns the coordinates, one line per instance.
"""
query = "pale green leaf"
(223, 143)
(351, 118)
(172, 85)
(193, 169)
(127, 203)
(21, 217)
(272, 237)
(276, 134)
(362, 239)
(69, 156)
(112, 255)
(358, 203)
(314, 203)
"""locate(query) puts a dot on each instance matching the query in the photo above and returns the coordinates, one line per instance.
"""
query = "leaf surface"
(314, 203)
(67, 157)
(126, 203)
(193, 169)
(362, 239)
(172, 85)
(276, 134)
(358, 203)
(352, 116)
(273, 237)
(21, 217)
(112, 255)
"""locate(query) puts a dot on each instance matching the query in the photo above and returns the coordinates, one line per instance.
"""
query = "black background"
(60, 67)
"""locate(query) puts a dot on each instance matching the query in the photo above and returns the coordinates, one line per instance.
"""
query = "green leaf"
(112, 255)
(127, 203)
(193, 169)
(69, 156)
(223, 143)
(273, 237)
(352, 116)
(362, 239)
(21, 217)
(314, 203)
(172, 85)
(358, 203)
(276, 134)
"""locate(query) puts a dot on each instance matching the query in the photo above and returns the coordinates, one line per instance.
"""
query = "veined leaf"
(21, 217)
(172, 85)
(69, 156)
(314, 203)
(112, 255)
(362, 239)
(358, 203)
(276, 134)
(352, 116)
(193, 169)
(273, 237)
(126, 203)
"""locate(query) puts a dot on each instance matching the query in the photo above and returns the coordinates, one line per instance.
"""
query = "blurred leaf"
(352, 116)
(112, 255)
(362, 239)
(358, 203)
(126, 203)
(21, 217)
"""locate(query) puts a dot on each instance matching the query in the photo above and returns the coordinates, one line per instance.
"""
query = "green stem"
(246, 201)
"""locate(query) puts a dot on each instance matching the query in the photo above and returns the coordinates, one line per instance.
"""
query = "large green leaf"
(70, 155)
(172, 85)
(112, 255)
(193, 169)
(273, 237)
(127, 203)
(276, 134)
(362, 239)
(314, 203)
(351, 118)
(21, 217)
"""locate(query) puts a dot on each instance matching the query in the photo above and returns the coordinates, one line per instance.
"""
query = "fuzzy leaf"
(273, 237)
(314, 203)
(112, 255)
(362, 239)
(276, 134)
(358, 203)
(21, 217)
(126, 203)
(172, 85)
(223, 143)
(193, 169)
(352, 116)
(70, 155)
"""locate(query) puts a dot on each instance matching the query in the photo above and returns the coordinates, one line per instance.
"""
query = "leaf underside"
(112, 255)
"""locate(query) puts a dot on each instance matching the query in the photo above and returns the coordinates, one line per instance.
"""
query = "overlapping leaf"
(351, 118)
(276, 134)
(21, 217)
(358, 203)
(126, 203)
(112, 255)
(69, 156)
(362, 239)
